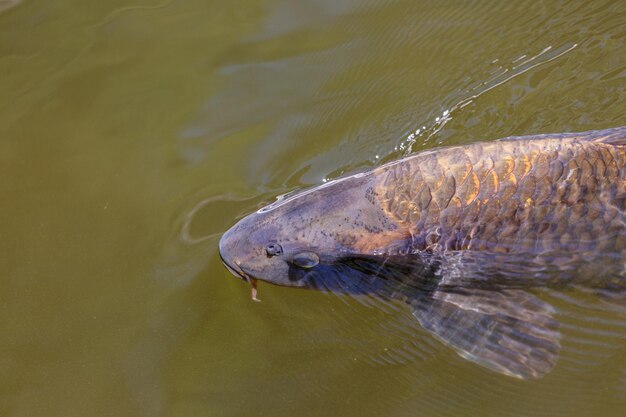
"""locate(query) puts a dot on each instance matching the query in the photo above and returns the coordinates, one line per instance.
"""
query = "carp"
(465, 235)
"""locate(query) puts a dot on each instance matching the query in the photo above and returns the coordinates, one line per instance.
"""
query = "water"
(134, 132)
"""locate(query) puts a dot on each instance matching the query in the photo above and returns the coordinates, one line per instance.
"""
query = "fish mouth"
(234, 269)
(238, 272)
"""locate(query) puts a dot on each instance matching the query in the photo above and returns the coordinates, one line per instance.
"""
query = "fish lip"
(235, 270)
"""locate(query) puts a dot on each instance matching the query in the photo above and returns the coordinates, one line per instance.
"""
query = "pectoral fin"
(508, 331)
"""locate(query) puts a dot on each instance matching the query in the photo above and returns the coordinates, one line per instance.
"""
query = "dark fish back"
(516, 195)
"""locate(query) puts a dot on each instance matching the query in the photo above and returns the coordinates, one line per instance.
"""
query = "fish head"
(300, 236)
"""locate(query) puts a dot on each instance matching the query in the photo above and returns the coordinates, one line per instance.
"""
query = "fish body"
(461, 234)
(518, 195)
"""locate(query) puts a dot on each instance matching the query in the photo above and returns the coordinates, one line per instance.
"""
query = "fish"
(466, 236)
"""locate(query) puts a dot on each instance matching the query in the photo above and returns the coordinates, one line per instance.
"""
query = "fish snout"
(256, 249)
(231, 249)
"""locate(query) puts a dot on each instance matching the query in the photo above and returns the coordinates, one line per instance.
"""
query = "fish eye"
(306, 259)
(273, 249)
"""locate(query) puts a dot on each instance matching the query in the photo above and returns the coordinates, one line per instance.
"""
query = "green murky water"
(132, 133)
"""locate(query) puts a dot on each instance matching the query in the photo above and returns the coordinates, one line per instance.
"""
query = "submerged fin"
(610, 289)
(614, 298)
(370, 274)
(508, 331)
(479, 303)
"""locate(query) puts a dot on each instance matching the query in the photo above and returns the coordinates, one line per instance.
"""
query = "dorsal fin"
(615, 136)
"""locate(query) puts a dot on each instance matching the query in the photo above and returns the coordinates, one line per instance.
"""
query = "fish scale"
(533, 197)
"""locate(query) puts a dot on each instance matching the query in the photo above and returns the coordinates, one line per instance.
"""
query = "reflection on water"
(133, 133)
(7, 4)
